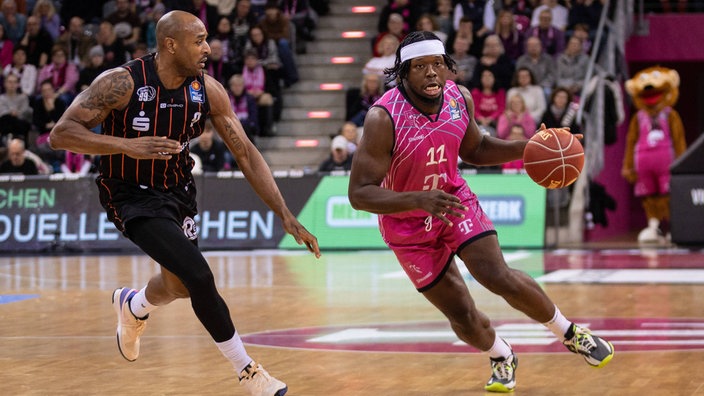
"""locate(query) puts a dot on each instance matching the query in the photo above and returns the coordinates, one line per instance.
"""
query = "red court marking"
(626, 334)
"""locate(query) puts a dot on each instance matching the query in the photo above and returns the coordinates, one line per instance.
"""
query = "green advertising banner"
(514, 203)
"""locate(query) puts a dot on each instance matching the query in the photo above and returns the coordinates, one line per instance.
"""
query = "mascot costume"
(655, 139)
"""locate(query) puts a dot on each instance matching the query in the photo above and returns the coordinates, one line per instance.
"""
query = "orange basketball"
(553, 158)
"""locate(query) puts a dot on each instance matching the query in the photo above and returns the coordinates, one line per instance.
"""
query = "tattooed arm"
(110, 91)
(252, 163)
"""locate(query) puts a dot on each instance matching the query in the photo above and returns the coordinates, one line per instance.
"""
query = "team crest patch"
(454, 109)
(196, 92)
(146, 94)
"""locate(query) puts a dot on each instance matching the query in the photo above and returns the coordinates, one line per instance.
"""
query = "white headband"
(422, 48)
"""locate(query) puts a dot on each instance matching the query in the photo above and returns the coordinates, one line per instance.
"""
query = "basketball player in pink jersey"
(405, 170)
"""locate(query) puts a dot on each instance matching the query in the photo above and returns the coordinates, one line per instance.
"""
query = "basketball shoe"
(129, 327)
(595, 350)
(503, 374)
(258, 382)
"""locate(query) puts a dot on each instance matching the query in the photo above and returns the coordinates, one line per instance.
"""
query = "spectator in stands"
(562, 111)
(276, 26)
(15, 23)
(305, 20)
(572, 66)
(405, 9)
(217, 66)
(38, 43)
(209, 149)
(242, 20)
(515, 133)
(466, 31)
(207, 13)
(77, 42)
(581, 31)
(113, 48)
(585, 12)
(444, 17)
(515, 113)
(559, 14)
(340, 159)
(255, 83)
(15, 112)
(428, 23)
(244, 105)
(489, 102)
(149, 25)
(26, 72)
(62, 74)
(493, 58)
(552, 38)
(524, 84)
(522, 11)
(349, 131)
(540, 64)
(474, 11)
(223, 32)
(48, 17)
(6, 48)
(89, 11)
(124, 15)
(17, 161)
(47, 108)
(258, 7)
(268, 56)
(377, 64)
(95, 66)
(465, 63)
(394, 28)
(76, 164)
(359, 100)
(511, 38)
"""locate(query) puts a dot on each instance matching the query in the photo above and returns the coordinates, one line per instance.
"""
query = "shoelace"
(503, 370)
(583, 342)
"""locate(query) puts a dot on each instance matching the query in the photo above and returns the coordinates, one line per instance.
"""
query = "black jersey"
(154, 110)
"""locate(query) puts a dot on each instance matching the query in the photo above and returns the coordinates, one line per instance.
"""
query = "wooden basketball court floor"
(350, 323)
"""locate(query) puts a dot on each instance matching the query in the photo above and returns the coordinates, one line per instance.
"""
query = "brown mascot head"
(654, 88)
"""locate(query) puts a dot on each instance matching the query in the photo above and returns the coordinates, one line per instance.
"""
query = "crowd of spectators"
(50, 51)
(511, 54)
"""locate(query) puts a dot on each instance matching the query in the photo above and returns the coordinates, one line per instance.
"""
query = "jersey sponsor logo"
(141, 123)
(170, 105)
(454, 109)
(146, 94)
(196, 92)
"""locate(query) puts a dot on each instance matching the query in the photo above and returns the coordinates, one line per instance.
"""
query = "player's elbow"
(57, 136)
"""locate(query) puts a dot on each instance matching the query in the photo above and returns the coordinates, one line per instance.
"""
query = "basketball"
(553, 158)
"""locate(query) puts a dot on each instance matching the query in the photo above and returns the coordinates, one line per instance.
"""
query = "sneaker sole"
(118, 311)
(498, 388)
(281, 392)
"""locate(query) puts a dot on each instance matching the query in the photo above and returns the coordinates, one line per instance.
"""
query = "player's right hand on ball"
(152, 147)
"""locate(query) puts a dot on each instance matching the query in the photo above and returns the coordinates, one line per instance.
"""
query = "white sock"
(558, 324)
(234, 351)
(500, 349)
(139, 305)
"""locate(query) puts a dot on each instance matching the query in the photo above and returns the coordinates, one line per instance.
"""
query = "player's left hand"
(301, 235)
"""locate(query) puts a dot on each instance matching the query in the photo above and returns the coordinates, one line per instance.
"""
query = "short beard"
(426, 100)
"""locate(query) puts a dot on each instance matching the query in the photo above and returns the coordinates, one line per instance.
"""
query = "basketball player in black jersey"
(149, 110)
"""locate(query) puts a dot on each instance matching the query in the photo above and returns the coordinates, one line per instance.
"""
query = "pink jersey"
(426, 147)
(653, 154)
(425, 156)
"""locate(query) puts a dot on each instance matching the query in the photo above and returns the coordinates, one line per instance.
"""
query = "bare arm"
(252, 164)
(370, 163)
(110, 91)
(484, 150)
